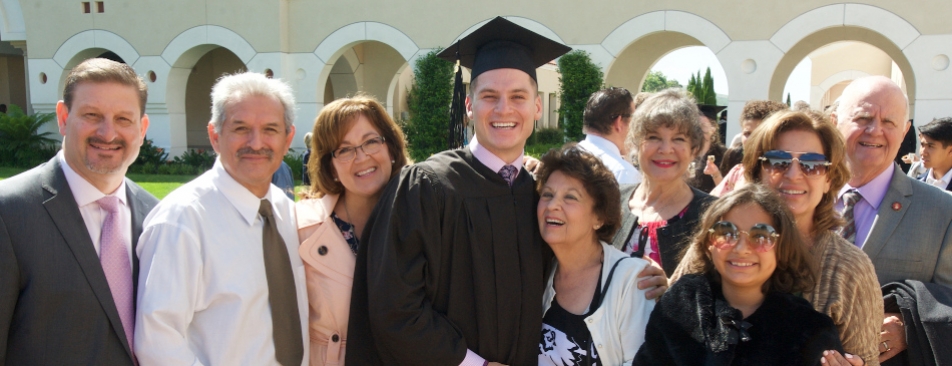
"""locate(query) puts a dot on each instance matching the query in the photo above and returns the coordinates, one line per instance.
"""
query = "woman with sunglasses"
(594, 312)
(659, 214)
(735, 304)
(801, 156)
(356, 149)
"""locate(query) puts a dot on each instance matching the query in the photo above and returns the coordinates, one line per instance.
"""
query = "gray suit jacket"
(55, 303)
(915, 241)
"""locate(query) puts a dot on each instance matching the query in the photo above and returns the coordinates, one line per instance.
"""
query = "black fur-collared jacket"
(694, 325)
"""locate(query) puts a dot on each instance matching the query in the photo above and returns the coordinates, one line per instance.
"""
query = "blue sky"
(681, 63)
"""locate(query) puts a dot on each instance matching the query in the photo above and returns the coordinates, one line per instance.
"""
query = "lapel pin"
(896, 206)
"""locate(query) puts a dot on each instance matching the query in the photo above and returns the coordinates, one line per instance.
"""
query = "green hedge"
(21, 143)
(580, 77)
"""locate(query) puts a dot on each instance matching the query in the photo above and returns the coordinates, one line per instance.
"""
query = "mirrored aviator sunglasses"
(761, 237)
(811, 164)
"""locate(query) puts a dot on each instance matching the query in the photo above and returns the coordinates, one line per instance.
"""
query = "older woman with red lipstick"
(659, 214)
(802, 157)
(356, 149)
(594, 312)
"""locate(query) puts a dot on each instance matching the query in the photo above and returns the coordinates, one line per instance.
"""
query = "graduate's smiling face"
(504, 105)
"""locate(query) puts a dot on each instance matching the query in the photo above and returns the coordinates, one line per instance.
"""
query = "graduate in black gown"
(451, 272)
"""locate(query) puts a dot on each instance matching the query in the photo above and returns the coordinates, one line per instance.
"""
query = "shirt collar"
(244, 201)
(490, 160)
(83, 191)
(944, 181)
(603, 144)
(874, 191)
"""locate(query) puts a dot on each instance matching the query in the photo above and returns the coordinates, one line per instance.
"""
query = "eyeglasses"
(811, 164)
(761, 237)
(371, 146)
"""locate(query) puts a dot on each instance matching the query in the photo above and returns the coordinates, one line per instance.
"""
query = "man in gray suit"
(904, 225)
(68, 229)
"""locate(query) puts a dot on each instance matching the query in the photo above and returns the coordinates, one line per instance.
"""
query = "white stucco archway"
(843, 22)
(820, 90)
(340, 43)
(181, 54)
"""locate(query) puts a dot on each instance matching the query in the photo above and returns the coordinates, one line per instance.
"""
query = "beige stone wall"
(331, 48)
(300, 25)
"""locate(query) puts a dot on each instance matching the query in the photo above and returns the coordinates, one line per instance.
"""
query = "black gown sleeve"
(403, 254)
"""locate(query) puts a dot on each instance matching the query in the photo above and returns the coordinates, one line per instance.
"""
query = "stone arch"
(643, 40)
(389, 52)
(182, 54)
(12, 25)
(89, 44)
(824, 87)
(843, 22)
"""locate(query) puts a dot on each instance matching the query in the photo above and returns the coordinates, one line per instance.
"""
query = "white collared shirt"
(941, 183)
(203, 291)
(610, 155)
(86, 196)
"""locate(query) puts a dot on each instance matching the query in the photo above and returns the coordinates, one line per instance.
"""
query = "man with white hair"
(221, 281)
(904, 225)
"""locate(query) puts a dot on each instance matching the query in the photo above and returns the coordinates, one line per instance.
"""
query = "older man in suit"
(892, 217)
(68, 229)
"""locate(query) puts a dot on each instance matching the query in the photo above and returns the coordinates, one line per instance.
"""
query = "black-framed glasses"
(371, 146)
(761, 237)
(811, 164)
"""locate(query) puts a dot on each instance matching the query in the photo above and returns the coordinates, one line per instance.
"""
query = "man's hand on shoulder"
(652, 278)
(532, 165)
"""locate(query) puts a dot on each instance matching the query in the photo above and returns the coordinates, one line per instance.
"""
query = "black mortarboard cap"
(501, 44)
(498, 44)
(710, 111)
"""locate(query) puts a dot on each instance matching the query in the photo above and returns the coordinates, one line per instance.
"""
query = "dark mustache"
(249, 151)
(95, 140)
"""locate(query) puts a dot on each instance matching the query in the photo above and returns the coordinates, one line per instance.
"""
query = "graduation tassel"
(457, 127)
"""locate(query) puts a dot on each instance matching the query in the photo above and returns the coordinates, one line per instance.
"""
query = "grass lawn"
(159, 185)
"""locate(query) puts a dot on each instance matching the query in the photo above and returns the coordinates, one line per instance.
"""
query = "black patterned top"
(347, 230)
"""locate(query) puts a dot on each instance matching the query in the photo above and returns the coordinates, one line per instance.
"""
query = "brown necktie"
(282, 295)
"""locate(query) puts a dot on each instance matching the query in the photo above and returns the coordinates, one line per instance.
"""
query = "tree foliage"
(703, 88)
(21, 142)
(710, 97)
(580, 77)
(656, 81)
(429, 101)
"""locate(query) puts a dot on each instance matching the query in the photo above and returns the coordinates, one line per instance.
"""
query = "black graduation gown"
(452, 261)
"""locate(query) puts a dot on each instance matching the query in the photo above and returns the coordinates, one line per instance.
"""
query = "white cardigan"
(618, 325)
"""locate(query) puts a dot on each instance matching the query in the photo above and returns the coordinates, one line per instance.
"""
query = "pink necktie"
(114, 258)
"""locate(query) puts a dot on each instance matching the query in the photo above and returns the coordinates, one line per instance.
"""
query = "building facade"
(328, 49)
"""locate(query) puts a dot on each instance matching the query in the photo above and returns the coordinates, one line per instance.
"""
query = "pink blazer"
(329, 266)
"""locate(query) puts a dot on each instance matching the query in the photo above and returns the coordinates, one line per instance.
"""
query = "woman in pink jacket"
(356, 148)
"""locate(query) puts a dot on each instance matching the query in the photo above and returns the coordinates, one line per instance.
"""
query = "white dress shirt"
(86, 196)
(941, 183)
(203, 291)
(610, 155)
